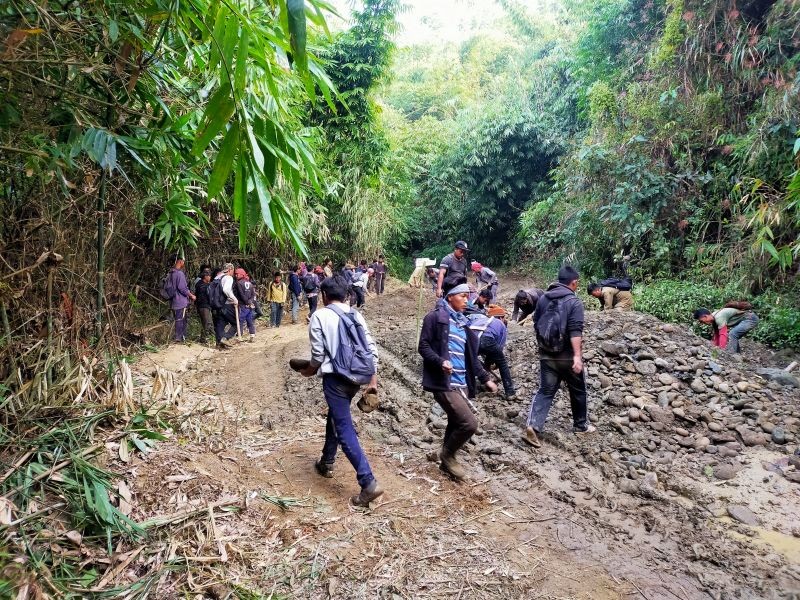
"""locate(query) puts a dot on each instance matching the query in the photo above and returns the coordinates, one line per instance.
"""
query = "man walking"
(324, 332)
(558, 320)
(454, 263)
(450, 364)
(245, 293)
(380, 274)
(296, 290)
(203, 305)
(276, 295)
(180, 298)
(227, 314)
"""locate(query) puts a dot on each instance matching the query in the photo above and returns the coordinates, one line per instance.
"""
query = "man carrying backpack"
(203, 305)
(176, 289)
(449, 350)
(614, 293)
(311, 288)
(224, 304)
(344, 354)
(245, 293)
(558, 320)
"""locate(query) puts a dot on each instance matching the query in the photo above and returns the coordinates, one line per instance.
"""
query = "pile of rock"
(665, 391)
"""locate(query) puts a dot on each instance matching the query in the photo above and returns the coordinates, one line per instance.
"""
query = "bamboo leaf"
(217, 113)
(296, 11)
(224, 161)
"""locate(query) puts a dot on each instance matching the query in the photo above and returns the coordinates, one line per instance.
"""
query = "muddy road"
(637, 510)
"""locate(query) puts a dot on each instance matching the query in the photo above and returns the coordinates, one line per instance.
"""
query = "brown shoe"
(367, 495)
(450, 465)
(530, 437)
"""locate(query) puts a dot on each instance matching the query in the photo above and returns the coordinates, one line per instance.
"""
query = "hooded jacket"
(433, 347)
(572, 311)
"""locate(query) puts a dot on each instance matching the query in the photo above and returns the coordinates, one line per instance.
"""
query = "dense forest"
(266, 132)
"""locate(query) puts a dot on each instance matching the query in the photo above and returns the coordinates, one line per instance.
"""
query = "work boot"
(589, 429)
(450, 465)
(367, 494)
(324, 469)
(252, 337)
(223, 345)
(530, 437)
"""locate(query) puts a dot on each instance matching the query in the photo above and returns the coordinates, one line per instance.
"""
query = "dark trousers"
(180, 324)
(247, 316)
(357, 297)
(223, 317)
(493, 355)
(461, 423)
(380, 278)
(312, 304)
(206, 323)
(339, 429)
(276, 314)
(552, 373)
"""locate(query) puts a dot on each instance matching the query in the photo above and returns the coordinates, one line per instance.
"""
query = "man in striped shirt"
(449, 351)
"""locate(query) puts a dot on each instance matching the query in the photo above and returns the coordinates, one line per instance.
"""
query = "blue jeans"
(295, 306)
(180, 323)
(740, 330)
(339, 430)
(493, 354)
(552, 372)
(247, 316)
(276, 314)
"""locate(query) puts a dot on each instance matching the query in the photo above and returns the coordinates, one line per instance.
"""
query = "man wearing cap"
(227, 314)
(559, 312)
(449, 351)
(454, 263)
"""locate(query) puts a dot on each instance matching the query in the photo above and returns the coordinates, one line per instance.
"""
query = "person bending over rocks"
(324, 332)
(525, 303)
(728, 324)
(613, 294)
(449, 351)
(491, 328)
(558, 320)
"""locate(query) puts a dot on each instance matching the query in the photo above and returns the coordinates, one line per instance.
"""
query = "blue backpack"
(353, 360)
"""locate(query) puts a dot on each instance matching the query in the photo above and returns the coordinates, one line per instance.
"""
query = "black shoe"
(324, 469)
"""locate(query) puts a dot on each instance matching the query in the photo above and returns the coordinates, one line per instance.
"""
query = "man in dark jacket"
(296, 291)
(525, 303)
(560, 308)
(203, 305)
(449, 351)
(380, 269)
(180, 301)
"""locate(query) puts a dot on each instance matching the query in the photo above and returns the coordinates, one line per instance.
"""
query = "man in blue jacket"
(296, 290)
(561, 308)
(450, 364)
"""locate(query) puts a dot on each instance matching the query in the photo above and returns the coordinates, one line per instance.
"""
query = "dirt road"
(550, 523)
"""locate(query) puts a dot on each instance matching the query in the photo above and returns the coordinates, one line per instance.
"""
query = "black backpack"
(353, 360)
(309, 285)
(623, 284)
(167, 289)
(551, 328)
(216, 296)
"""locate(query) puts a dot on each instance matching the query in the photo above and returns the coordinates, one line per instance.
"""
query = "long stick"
(419, 311)
(238, 324)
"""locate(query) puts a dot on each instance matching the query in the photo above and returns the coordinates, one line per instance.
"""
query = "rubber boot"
(450, 465)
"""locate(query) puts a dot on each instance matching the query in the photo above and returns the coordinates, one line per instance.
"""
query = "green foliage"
(602, 104)
(674, 300)
(673, 36)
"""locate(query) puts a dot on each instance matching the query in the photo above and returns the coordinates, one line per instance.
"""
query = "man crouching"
(449, 352)
(345, 355)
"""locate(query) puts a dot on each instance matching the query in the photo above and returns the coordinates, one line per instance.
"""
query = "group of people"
(228, 302)
(460, 341)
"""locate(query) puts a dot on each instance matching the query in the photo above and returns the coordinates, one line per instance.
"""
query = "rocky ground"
(689, 488)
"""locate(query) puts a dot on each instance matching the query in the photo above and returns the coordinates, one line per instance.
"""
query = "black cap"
(462, 245)
(567, 274)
